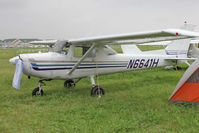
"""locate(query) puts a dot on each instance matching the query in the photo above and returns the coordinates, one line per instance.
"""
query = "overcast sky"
(69, 19)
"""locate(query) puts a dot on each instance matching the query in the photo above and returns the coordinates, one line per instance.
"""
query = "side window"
(78, 52)
(92, 54)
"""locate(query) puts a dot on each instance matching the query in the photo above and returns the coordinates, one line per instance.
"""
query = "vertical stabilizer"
(190, 27)
(187, 89)
(178, 47)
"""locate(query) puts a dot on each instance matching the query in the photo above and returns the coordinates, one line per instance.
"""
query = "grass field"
(135, 101)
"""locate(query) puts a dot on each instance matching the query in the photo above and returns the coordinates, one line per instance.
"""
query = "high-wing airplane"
(94, 58)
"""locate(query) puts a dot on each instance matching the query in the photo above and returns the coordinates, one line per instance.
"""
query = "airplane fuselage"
(54, 65)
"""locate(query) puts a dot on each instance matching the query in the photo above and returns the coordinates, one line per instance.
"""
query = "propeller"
(18, 73)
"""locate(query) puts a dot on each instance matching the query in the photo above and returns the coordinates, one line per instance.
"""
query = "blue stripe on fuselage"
(42, 67)
(50, 65)
(68, 68)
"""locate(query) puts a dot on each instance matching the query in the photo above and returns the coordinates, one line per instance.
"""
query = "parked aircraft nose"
(13, 60)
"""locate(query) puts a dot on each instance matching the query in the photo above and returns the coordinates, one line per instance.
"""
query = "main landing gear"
(38, 91)
(96, 90)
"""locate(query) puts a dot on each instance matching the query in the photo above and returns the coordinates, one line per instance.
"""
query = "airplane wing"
(132, 38)
(137, 38)
(161, 37)
(44, 42)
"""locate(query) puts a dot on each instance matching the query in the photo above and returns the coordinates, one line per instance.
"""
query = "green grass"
(135, 101)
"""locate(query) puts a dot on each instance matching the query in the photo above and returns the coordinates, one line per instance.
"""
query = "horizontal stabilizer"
(130, 49)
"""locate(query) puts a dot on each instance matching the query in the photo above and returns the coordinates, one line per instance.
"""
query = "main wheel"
(97, 90)
(69, 83)
(36, 92)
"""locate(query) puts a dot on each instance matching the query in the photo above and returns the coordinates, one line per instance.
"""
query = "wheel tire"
(97, 90)
(69, 83)
(35, 92)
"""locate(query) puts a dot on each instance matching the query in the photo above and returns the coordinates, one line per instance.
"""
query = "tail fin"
(178, 47)
(187, 89)
(190, 27)
(130, 49)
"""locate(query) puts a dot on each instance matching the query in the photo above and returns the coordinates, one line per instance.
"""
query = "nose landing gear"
(38, 91)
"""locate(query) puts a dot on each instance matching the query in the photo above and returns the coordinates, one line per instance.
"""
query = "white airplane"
(97, 58)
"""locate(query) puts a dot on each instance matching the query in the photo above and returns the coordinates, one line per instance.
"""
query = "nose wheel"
(38, 91)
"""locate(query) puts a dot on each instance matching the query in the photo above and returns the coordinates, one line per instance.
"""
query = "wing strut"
(82, 58)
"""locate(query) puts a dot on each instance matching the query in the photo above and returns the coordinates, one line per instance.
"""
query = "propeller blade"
(18, 73)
